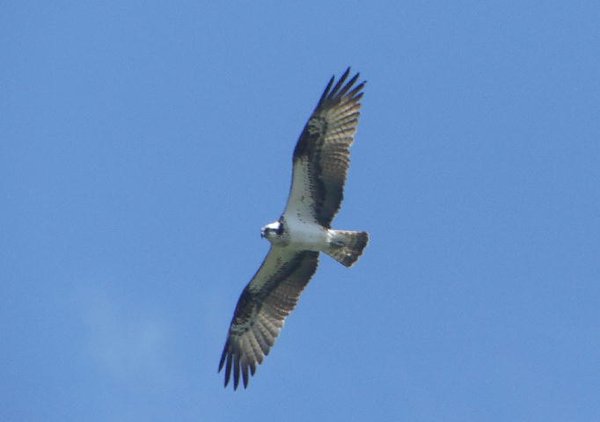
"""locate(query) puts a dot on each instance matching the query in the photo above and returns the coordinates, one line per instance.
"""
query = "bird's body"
(320, 165)
(300, 235)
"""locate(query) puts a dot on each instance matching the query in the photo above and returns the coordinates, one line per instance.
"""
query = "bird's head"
(272, 232)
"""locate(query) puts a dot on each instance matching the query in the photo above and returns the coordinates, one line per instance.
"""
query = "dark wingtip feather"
(228, 369)
(326, 91)
(347, 87)
(342, 88)
(356, 90)
(223, 356)
(236, 372)
(340, 82)
(245, 374)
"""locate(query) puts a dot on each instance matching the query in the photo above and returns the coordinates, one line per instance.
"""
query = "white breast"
(304, 235)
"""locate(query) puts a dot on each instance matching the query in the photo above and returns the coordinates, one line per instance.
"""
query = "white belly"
(307, 236)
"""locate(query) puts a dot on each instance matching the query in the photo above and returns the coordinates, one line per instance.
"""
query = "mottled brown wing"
(322, 155)
(262, 308)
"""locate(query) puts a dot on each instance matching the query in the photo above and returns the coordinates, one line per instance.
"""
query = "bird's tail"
(347, 246)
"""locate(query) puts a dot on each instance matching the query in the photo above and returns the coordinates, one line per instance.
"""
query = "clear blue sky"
(144, 144)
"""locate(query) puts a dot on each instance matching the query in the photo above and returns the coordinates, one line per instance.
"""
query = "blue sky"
(144, 144)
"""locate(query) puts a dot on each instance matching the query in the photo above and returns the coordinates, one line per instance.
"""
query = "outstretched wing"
(262, 308)
(322, 155)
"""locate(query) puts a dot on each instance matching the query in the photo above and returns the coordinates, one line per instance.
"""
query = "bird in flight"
(320, 166)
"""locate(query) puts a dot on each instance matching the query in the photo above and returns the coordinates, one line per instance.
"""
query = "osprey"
(320, 164)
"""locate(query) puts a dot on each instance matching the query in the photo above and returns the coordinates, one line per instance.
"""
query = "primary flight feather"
(320, 166)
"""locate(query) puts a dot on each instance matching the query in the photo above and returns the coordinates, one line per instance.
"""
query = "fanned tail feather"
(347, 246)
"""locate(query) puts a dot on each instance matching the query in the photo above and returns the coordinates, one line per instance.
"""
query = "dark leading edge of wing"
(325, 144)
(262, 308)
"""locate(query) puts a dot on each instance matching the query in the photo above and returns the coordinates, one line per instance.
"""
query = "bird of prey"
(320, 165)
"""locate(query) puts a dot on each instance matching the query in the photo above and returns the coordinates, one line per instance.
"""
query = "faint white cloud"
(126, 341)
